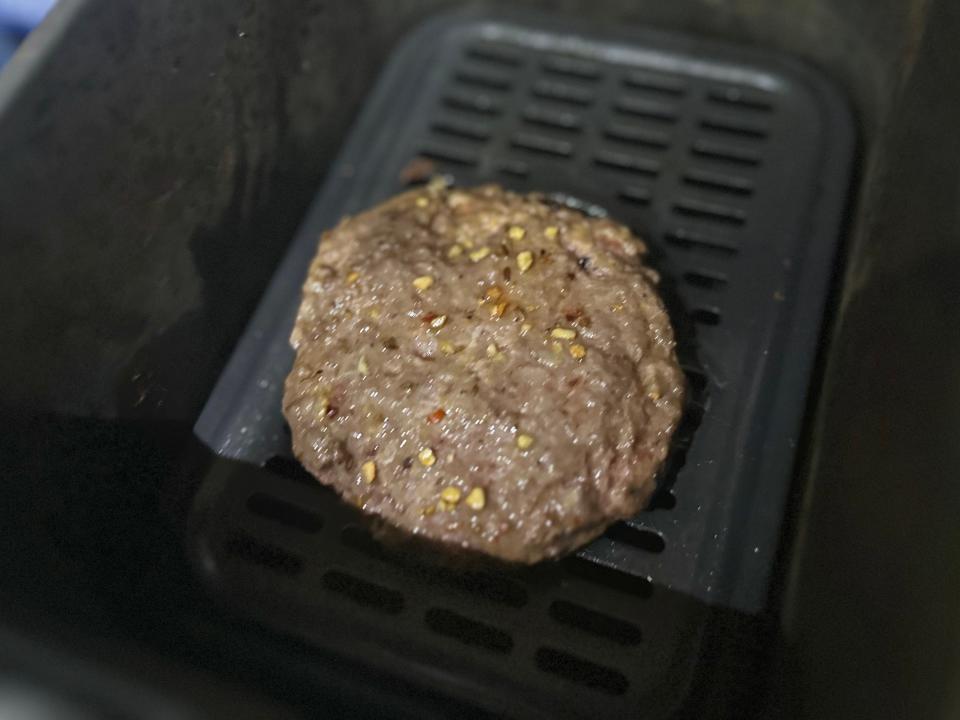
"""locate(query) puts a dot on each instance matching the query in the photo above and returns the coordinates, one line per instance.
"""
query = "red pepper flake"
(436, 416)
(429, 317)
(578, 317)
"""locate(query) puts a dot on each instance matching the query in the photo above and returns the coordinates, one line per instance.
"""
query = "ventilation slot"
(697, 379)
(705, 279)
(651, 82)
(280, 511)
(706, 315)
(571, 67)
(467, 631)
(628, 163)
(562, 92)
(741, 99)
(710, 211)
(637, 136)
(289, 468)
(608, 577)
(495, 588)
(542, 145)
(514, 168)
(649, 109)
(363, 593)
(495, 55)
(725, 153)
(462, 129)
(581, 672)
(552, 118)
(595, 623)
(640, 538)
(247, 548)
(690, 240)
(450, 155)
(663, 500)
(731, 184)
(636, 195)
(473, 103)
(732, 126)
(484, 80)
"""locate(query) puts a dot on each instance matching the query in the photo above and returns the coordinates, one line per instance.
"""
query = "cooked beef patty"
(485, 369)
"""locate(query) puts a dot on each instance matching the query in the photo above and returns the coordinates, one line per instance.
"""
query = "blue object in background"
(8, 43)
(17, 19)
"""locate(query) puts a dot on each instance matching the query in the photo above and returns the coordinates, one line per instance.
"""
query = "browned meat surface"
(484, 369)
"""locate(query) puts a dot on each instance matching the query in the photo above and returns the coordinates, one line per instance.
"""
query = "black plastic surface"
(732, 163)
(566, 639)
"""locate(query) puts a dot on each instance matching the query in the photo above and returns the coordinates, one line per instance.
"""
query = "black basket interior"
(733, 164)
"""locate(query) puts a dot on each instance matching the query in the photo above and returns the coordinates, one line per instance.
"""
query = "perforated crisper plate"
(732, 163)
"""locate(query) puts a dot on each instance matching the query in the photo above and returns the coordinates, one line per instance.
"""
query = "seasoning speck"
(563, 333)
(362, 366)
(423, 282)
(352, 277)
(438, 322)
(479, 254)
(436, 416)
(492, 350)
(499, 309)
(525, 328)
(557, 347)
(454, 251)
(524, 260)
(524, 441)
(374, 313)
(447, 348)
(422, 202)
(476, 499)
(578, 351)
(426, 457)
(551, 232)
(369, 470)
(323, 404)
(516, 232)
(450, 494)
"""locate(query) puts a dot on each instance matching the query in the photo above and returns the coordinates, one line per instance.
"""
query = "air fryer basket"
(733, 165)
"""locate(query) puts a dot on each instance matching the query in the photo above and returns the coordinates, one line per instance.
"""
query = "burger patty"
(484, 369)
